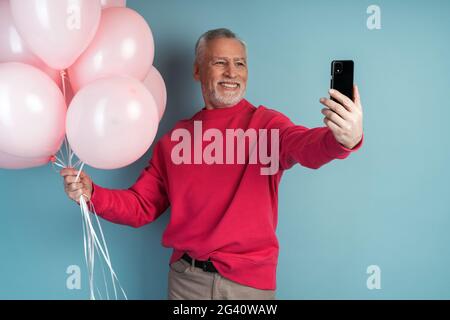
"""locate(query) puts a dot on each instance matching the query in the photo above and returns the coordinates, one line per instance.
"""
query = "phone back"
(342, 76)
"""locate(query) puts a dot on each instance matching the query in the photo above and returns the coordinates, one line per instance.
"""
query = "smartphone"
(342, 77)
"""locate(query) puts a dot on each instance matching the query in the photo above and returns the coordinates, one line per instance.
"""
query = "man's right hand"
(75, 189)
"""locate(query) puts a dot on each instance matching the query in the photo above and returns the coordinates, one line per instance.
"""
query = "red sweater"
(226, 212)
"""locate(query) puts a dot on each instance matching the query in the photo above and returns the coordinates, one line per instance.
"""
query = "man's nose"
(230, 71)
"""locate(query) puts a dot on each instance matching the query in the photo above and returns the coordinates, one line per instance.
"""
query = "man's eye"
(241, 64)
(220, 62)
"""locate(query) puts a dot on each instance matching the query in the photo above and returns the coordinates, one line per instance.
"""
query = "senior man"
(223, 209)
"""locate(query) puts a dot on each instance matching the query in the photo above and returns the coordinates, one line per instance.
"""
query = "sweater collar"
(205, 114)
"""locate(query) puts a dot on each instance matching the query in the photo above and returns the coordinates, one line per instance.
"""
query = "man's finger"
(72, 172)
(69, 179)
(342, 99)
(336, 107)
(75, 195)
(330, 124)
(68, 172)
(334, 117)
(75, 186)
(356, 96)
(82, 175)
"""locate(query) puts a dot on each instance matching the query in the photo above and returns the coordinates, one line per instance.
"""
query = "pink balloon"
(155, 84)
(14, 49)
(123, 46)
(8, 161)
(52, 73)
(32, 112)
(112, 122)
(113, 3)
(57, 31)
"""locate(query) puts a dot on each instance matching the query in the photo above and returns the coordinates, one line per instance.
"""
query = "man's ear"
(196, 72)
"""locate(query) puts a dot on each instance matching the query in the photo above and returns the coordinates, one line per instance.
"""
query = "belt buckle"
(205, 266)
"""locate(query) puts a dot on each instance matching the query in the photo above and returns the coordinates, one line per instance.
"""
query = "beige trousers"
(187, 282)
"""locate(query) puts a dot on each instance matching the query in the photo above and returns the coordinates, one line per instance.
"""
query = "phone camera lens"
(338, 67)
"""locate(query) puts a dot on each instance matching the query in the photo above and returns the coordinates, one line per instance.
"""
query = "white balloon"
(155, 84)
(112, 122)
(8, 161)
(32, 112)
(57, 31)
(14, 49)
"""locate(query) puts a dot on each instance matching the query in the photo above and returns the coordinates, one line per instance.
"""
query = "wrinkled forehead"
(226, 48)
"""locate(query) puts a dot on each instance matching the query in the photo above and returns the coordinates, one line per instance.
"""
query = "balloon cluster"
(100, 51)
(78, 72)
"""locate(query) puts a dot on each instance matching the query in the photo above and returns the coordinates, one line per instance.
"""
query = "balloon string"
(77, 163)
(69, 152)
(61, 160)
(99, 247)
(93, 245)
(79, 172)
(63, 80)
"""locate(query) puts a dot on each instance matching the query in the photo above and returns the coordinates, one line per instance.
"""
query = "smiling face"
(222, 72)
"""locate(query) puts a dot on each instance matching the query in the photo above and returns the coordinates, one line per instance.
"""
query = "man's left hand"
(344, 118)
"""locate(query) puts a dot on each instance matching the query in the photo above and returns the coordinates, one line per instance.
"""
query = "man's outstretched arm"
(313, 148)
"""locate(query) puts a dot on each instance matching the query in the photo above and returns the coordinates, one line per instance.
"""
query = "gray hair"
(211, 35)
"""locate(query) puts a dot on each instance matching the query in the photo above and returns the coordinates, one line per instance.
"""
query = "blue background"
(385, 205)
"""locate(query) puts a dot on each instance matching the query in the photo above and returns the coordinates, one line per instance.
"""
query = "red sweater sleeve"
(138, 205)
(312, 148)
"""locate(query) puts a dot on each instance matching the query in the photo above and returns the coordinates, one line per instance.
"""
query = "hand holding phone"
(343, 117)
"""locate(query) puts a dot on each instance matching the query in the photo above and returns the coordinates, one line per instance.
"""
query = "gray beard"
(226, 99)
